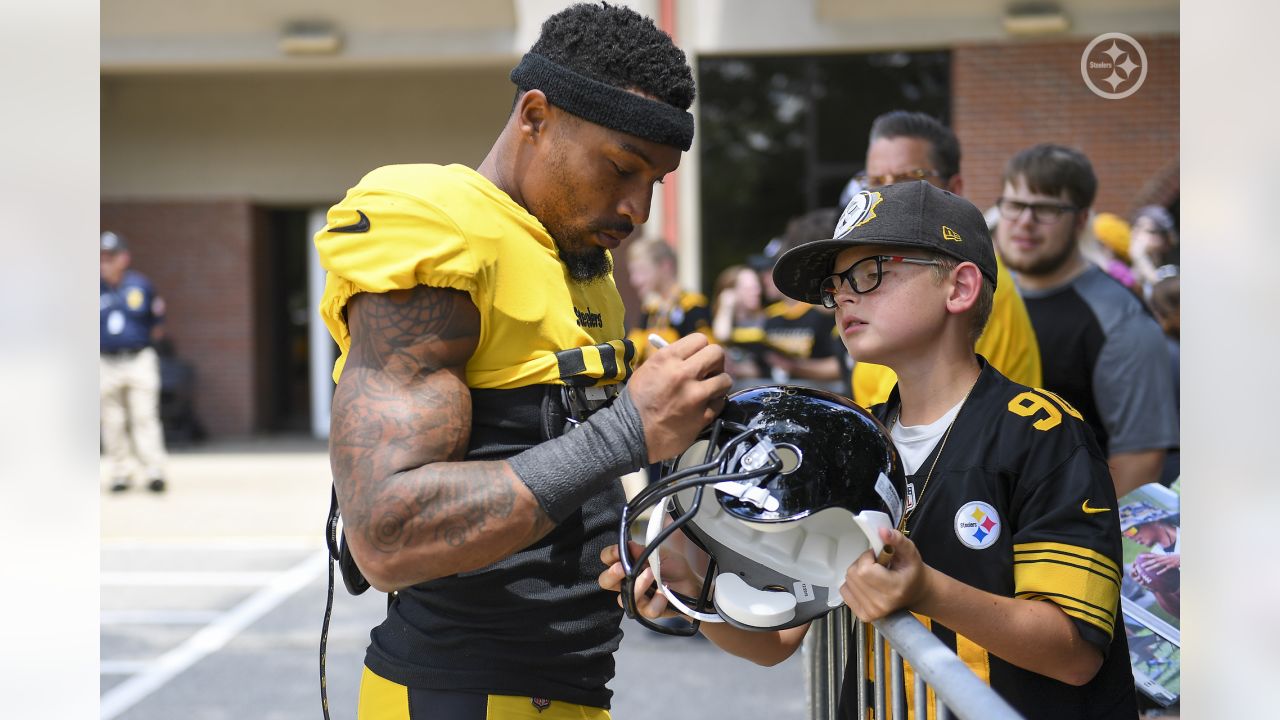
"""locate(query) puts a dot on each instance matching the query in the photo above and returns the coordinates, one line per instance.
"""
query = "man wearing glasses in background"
(1102, 350)
(906, 146)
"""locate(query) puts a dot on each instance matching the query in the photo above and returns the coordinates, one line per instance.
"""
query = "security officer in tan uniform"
(131, 317)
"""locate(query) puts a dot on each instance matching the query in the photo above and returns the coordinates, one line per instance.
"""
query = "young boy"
(1009, 549)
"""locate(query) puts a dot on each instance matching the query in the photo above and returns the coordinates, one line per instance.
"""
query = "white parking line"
(212, 637)
(122, 667)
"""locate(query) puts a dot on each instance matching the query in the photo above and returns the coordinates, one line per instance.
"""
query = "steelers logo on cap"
(860, 211)
(978, 525)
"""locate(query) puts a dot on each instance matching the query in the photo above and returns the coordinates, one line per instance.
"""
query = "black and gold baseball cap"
(907, 215)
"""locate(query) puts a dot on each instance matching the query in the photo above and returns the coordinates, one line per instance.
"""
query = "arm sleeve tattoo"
(401, 421)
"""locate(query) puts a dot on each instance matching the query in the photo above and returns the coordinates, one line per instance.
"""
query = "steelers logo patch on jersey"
(860, 211)
(977, 525)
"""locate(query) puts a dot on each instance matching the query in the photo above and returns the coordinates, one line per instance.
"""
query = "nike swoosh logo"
(1091, 510)
(360, 227)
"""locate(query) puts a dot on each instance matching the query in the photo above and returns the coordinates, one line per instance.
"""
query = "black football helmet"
(784, 490)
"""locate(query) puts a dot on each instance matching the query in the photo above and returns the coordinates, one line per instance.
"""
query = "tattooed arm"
(401, 420)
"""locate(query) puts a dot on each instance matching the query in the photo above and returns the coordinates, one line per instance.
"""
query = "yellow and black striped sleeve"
(1067, 547)
(1083, 582)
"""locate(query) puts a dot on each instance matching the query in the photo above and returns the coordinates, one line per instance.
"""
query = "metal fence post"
(826, 651)
(957, 691)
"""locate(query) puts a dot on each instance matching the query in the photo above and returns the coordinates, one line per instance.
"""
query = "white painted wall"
(290, 138)
(756, 26)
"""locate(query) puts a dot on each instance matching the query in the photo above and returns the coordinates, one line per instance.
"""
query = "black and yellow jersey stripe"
(1083, 582)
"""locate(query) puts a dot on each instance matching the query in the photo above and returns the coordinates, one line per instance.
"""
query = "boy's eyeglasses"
(872, 182)
(863, 276)
(1042, 213)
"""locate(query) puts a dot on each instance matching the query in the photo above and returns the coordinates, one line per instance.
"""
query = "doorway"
(284, 317)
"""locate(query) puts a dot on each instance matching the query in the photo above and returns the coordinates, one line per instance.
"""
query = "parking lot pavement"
(193, 576)
(213, 594)
(690, 679)
(260, 489)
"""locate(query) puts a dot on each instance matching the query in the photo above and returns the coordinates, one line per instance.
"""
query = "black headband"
(604, 104)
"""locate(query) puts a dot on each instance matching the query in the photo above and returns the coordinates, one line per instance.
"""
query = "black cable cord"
(324, 642)
(331, 541)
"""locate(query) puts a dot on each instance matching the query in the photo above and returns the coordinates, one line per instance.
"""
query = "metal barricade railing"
(826, 650)
(957, 690)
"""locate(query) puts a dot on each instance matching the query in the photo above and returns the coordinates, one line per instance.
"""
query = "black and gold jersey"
(1021, 504)
(450, 227)
(688, 314)
(800, 330)
(792, 329)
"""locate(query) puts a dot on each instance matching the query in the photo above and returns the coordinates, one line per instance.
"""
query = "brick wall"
(200, 255)
(1010, 96)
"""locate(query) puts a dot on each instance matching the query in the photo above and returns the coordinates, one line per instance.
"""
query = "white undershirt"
(915, 442)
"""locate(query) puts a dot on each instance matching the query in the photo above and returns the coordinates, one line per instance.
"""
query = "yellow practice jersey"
(1008, 343)
(450, 227)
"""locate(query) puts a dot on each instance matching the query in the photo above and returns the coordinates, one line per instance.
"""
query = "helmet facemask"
(800, 482)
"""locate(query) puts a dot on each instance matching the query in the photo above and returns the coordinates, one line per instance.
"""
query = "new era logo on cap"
(949, 234)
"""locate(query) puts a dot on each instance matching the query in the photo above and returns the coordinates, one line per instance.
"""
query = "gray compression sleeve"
(565, 471)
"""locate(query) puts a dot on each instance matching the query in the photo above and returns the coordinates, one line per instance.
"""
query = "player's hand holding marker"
(678, 391)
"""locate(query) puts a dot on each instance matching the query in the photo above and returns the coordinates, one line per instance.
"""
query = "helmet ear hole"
(791, 457)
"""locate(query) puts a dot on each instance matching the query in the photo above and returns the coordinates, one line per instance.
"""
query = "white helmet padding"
(802, 562)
